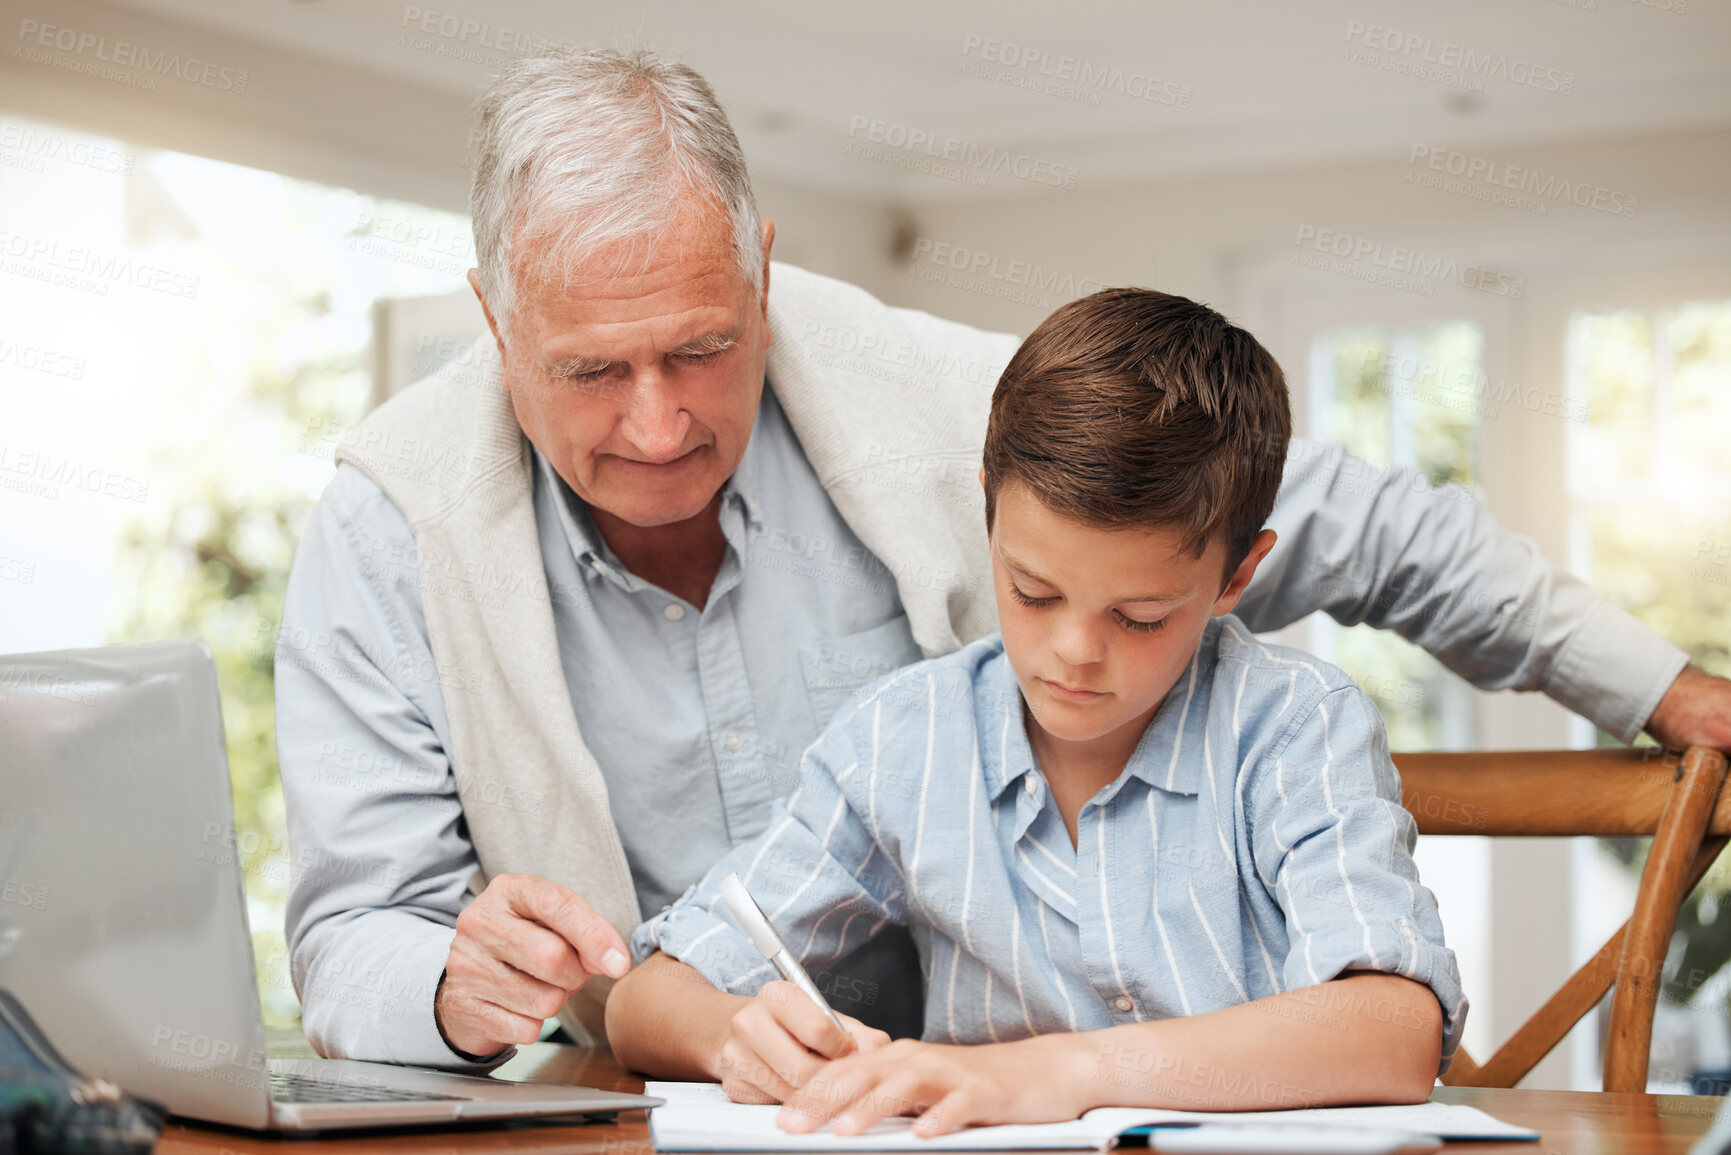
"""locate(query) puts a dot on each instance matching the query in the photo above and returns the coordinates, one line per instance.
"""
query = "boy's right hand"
(780, 1039)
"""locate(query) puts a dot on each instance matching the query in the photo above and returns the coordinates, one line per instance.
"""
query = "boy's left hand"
(948, 1087)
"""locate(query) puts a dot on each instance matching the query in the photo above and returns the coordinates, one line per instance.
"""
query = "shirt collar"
(1161, 758)
(1171, 754)
(1009, 757)
(594, 559)
(745, 487)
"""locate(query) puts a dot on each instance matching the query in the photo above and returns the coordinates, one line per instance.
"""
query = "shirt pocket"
(835, 668)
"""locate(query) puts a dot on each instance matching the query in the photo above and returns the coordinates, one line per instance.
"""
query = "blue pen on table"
(757, 927)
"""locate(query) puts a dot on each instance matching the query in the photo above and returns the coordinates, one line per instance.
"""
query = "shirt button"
(1123, 1003)
(674, 611)
(1032, 787)
(733, 741)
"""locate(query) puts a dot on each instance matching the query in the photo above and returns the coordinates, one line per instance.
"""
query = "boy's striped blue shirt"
(1255, 843)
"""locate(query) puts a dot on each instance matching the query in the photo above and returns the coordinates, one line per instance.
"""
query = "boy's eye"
(1139, 627)
(1037, 603)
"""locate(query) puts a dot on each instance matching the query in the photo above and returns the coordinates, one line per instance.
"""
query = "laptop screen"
(122, 916)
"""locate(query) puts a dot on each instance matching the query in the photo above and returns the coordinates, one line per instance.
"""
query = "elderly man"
(571, 623)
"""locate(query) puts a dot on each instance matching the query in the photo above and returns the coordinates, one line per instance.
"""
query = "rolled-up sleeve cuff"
(1614, 670)
(1397, 948)
(710, 945)
(406, 1025)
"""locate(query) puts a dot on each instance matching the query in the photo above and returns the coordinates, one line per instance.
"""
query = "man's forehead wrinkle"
(693, 223)
(627, 273)
(587, 283)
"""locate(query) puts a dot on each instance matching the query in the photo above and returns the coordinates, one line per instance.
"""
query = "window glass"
(183, 343)
(1404, 397)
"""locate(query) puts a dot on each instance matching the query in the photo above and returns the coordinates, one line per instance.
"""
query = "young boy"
(1148, 860)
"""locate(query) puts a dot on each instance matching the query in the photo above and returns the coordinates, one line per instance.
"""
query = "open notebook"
(700, 1117)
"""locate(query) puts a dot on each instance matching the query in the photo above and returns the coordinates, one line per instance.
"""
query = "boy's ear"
(1259, 547)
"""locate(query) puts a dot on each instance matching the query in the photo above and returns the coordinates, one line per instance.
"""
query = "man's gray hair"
(580, 149)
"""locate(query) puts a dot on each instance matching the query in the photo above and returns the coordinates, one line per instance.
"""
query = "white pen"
(757, 928)
(1283, 1139)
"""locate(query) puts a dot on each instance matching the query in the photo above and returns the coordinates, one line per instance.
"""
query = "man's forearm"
(1385, 548)
(666, 1020)
(1365, 1038)
(381, 860)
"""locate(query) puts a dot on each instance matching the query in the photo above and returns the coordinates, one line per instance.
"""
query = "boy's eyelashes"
(1037, 603)
(1127, 623)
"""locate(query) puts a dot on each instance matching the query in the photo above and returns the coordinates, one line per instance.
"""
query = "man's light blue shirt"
(696, 717)
(1255, 843)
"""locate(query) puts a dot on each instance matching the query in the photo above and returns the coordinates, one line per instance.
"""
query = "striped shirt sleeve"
(816, 871)
(1334, 847)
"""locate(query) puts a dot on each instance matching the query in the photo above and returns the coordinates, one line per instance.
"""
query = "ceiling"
(1238, 86)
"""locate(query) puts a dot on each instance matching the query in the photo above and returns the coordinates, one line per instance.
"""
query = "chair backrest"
(1674, 797)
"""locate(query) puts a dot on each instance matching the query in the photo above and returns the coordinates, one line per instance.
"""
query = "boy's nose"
(1076, 644)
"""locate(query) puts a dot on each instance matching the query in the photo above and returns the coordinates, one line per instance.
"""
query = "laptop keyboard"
(286, 1087)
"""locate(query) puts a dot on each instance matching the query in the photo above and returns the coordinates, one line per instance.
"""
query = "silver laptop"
(123, 923)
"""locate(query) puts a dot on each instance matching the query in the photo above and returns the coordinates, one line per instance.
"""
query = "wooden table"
(1569, 1122)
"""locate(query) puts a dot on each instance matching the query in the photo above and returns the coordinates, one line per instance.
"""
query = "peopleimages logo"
(478, 33)
(1546, 187)
(88, 269)
(930, 146)
(123, 54)
(1397, 265)
(1468, 63)
(24, 147)
(987, 273)
(1069, 77)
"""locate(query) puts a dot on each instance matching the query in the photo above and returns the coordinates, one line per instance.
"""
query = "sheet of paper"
(700, 1117)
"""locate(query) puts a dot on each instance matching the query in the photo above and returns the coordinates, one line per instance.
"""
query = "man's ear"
(498, 338)
(1259, 547)
(768, 240)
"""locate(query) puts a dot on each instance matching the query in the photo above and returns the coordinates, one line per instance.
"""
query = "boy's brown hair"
(1135, 408)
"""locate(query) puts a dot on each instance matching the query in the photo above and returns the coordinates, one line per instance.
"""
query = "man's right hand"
(779, 1040)
(523, 947)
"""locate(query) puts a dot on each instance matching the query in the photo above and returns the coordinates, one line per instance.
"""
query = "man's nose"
(654, 423)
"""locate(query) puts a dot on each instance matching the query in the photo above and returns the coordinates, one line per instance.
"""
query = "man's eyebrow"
(572, 366)
(715, 342)
(1011, 561)
(711, 342)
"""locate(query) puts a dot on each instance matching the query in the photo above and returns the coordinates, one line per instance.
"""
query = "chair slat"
(1664, 885)
(1606, 793)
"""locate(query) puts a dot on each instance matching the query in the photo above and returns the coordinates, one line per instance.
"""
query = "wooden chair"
(1675, 797)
